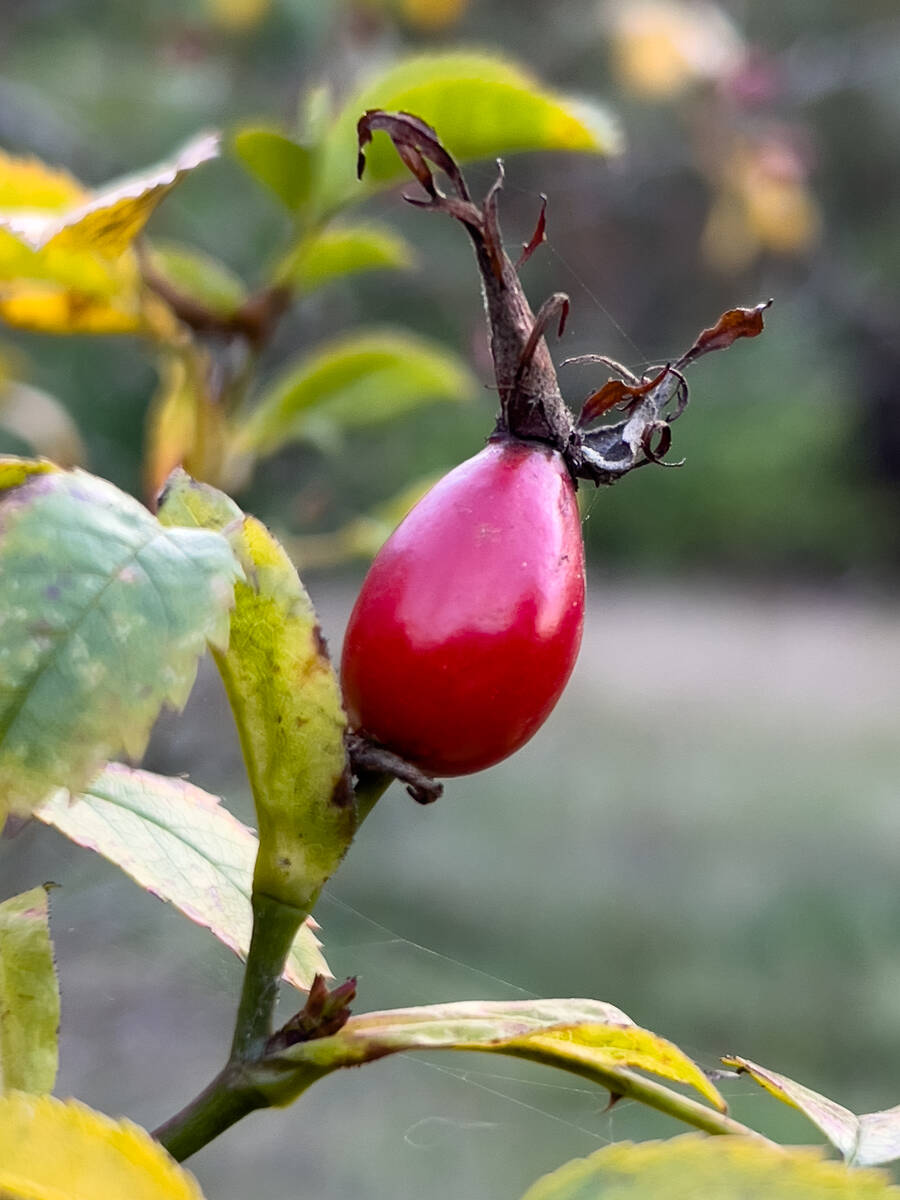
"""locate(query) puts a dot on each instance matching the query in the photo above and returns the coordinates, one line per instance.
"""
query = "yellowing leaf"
(337, 251)
(587, 1037)
(44, 308)
(692, 1167)
(28, 183)
(65, 264)
(182, 845)
(514, 113)
(112, 217)
(185, 425)
(431, 15)
(660, 47)
(238, 16)
(356, 380)
(62, 1150)
(287, 705)
(103, 616)
(867, 1140)
(29, 995)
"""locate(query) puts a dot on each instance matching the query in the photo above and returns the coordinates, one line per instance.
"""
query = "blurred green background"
(706, 832)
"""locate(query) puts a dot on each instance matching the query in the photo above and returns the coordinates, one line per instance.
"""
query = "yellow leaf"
(661, 47)
(62, 1150)
(185, 426)
(112, 217)
(46, 308)
(29, 183)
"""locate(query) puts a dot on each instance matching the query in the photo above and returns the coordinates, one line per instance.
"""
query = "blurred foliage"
(760, 150)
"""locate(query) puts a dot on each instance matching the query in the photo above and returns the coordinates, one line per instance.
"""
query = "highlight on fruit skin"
(469, 621)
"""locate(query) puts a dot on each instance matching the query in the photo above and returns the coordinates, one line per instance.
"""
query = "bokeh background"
(706, 833)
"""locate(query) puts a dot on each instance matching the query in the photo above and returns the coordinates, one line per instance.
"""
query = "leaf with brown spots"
(286, 701)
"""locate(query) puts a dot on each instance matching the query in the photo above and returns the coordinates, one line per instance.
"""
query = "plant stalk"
(275, 926)
(215, 1109)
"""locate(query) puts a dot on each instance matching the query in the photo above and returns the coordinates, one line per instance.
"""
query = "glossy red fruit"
(469, 620)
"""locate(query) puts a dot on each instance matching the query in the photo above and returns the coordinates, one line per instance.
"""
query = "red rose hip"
(469, 621)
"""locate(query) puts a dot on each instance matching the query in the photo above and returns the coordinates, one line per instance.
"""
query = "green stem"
(216, 1108)
(275, 926)
(369, 790)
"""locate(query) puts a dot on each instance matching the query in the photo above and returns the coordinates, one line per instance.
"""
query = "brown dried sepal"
(734, 324)
(537, 238)
(613, 393)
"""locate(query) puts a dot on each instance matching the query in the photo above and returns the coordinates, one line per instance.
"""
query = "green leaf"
(514, 112)
(281, 165)
(287, 704)
(179, 843)
(720, 1168)
(592, 1039)
(29, 995)
(360, 379)
(866, 1140)
(336, 251)
(103, 616)
(62, 1150)
(200, 277)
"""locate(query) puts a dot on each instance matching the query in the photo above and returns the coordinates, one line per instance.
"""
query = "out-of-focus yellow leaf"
(238, 16)
(429, 16)
(62, 1150)
(65, 262)
(109, 220)
(763, 203)
(693, 1167)
(185, 425)
(40, 421)
(662, 47)
(44, 308)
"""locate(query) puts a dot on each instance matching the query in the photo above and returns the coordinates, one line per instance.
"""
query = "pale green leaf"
(866, 1140)
(480, 106)
(344, 250)
(62, 1150)
(199, 277)
(182, 845)
(356, 380)
(282, 165)
(287, 705)
(103, 616)
(41, 422)
(692, 1167)
(29, 995)
(587, 1037)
